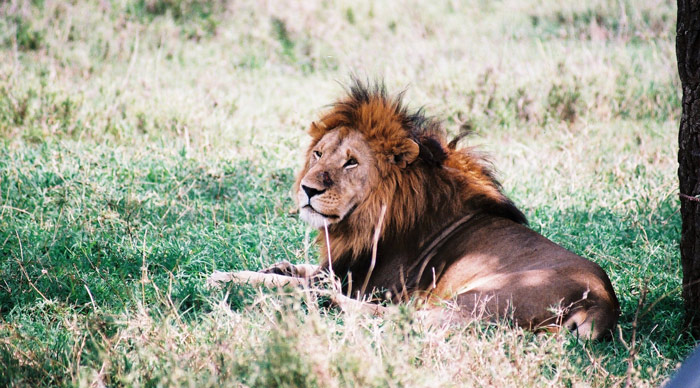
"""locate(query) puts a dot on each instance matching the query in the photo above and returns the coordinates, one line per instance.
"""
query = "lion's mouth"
(331, 216)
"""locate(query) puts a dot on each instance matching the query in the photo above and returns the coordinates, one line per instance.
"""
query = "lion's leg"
(255, 279)
(301, 277)
(282, 273)
(591, 323)
(353, 305)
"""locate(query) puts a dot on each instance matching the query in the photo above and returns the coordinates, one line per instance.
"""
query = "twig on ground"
(375, 242)
(24, 271)
(688, 197)
(632, 345)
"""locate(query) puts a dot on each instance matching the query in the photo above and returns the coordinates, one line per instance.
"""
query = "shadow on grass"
(639, 251)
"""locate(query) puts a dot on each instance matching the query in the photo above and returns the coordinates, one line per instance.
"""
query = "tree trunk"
(688, 55)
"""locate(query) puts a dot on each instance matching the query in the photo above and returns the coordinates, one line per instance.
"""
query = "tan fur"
(449, 232)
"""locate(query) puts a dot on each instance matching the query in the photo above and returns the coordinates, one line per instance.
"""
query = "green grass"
(144, 144)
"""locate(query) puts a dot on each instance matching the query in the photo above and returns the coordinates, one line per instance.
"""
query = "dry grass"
(285, 340)
(146, 143)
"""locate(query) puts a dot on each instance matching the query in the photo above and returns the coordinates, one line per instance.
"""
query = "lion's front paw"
(218, 278)
(294, 270)
(282, 268)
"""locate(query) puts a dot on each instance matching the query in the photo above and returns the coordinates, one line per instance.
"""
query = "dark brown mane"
(441, 184)
(424, 130)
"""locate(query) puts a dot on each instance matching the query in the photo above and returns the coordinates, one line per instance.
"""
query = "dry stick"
(666, 295)
(597, 365)
(375, 242)
(144, 269)
(632, 347)
(24, 271)
(92, 300)
(328, 246)
(13, 208)
(170, 301)
(99, 379)
(78, 352)
(688, 197)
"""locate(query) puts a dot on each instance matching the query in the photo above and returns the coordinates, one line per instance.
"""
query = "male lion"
(448, 232)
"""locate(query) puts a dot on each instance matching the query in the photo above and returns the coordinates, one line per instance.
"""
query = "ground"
(146, 143)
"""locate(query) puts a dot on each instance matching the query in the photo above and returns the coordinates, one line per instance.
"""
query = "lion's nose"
(310, 192)
(327, 181)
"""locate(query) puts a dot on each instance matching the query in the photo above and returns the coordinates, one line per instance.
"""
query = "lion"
(403, 215)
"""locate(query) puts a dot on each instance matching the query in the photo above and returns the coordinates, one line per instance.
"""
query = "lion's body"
(449, 233)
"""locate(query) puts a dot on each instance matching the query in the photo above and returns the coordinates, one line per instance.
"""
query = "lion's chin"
(316, 219)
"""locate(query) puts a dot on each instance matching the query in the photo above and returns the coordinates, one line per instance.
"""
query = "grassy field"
(146, 143)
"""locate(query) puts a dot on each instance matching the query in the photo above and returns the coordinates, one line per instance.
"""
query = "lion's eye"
(318, 154)
(351, 163)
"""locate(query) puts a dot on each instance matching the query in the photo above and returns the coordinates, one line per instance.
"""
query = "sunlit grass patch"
(146, 143)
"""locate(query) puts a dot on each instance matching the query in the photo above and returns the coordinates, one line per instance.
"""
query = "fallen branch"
(632, 346)
(689, 198)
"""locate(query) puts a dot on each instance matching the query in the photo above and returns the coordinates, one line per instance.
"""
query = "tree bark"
(688, 55)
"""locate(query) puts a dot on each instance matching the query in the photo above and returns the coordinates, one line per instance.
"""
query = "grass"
(146, 143)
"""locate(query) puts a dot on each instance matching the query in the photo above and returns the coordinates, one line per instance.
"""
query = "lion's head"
(367, 152)
(341, 172)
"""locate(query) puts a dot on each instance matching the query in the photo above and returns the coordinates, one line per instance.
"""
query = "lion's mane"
(443, 183)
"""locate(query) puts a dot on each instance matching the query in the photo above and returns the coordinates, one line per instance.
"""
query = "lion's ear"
(407, 153)
(317, 129)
